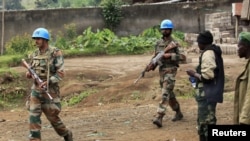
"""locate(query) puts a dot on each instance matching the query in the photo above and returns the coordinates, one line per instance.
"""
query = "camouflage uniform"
(168, 70)
(206, 113)
(39, 101)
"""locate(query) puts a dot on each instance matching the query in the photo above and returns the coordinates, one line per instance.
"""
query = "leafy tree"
(46, 3)
(94, 2)
(112, 13)
(12, 4)
(65, 3)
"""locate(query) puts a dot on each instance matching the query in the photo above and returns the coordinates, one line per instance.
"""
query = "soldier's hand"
(28, 75)
(167, 55)
(191, 72)
(43, 85)
(150, 67)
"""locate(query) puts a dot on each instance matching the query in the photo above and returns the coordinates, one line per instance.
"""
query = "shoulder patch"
(57, 53)
(54, 51)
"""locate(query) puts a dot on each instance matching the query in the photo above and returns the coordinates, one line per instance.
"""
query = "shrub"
(112, 13)
(20, 44)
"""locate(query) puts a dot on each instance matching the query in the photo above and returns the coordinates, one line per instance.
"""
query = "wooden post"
(237, 26)
(2, 40)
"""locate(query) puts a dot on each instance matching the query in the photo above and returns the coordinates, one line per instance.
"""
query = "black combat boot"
(178, 116)
(158, 120)
(173, 103)
(176, 107)
(68, 137)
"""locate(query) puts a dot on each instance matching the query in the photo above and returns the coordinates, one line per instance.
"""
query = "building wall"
(187, 17)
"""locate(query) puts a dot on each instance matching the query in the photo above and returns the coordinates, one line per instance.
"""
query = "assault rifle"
(36, 77)
(154, 62)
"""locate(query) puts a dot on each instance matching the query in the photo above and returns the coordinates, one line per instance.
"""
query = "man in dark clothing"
(210, 77)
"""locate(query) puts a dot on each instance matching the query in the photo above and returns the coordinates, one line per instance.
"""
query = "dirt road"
(120, 110)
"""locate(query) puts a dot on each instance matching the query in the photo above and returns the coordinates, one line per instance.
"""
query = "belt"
(169, 70)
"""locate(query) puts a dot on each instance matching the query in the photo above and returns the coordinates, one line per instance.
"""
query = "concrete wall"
(187, 17)
(220, 25)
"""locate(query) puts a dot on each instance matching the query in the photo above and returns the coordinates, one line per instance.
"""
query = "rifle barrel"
(141, 75)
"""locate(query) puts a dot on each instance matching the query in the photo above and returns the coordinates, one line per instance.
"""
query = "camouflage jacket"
(173, 61)
(48, 65)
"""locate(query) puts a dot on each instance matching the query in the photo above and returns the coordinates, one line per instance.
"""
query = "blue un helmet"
(167, 24)
(41, 33)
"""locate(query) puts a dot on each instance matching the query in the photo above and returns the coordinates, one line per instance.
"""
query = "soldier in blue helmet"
(167, 70)
(48, 63)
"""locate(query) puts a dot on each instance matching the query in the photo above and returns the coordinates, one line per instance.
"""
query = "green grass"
(77, 98)
(10, 60)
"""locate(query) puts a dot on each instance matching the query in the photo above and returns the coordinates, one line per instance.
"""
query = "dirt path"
(120, 110)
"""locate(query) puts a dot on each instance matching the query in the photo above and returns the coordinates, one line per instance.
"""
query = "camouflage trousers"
(167, 83)
(206, 112)
(37, 104)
